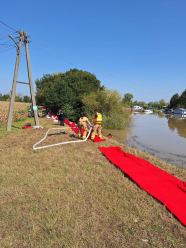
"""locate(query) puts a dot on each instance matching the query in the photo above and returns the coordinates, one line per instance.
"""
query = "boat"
(169, 111)
(137, 108)
(148, 111)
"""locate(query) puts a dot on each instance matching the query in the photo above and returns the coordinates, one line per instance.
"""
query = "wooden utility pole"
(30, 80)
(13, 92)
(22, 38)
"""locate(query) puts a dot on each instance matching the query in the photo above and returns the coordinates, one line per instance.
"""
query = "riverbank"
(71, 196)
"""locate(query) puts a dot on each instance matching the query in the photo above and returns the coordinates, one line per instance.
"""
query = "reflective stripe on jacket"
(98, 118)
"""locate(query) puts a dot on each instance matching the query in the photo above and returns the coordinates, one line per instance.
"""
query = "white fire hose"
(36, 147)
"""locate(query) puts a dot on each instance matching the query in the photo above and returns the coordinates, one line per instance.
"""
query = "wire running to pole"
(8, 26)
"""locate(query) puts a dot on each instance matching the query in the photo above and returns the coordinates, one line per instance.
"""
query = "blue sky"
(136, 46)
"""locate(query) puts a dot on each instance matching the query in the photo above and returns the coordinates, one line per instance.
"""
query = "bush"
(109, 103)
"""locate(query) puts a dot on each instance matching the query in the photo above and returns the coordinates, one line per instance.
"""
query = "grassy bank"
(71, 196)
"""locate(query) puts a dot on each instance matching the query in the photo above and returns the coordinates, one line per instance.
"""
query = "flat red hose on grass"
(75, 128)
(163, 186)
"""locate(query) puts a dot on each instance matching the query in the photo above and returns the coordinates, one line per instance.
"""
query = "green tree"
(127, 98)
(174, 101)
(154, 105)
(4, 97)
(66, 90)
(162, 104)
(26, 99)
(182, 99)
(18, 98)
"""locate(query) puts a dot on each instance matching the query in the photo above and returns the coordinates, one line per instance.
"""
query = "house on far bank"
(180, 111)
(137, 108)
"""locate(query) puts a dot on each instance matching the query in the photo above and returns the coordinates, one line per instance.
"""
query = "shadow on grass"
(16, 127)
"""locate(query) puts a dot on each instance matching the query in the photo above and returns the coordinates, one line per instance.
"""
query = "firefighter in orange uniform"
(84, 124)
(97, 121)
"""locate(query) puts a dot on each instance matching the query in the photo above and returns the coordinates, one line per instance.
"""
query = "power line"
(5, 42)
(8, 26)
(4, 35)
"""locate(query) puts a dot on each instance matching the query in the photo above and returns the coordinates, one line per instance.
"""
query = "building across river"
(180, 111)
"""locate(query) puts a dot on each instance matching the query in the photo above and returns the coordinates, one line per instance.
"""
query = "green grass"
(16, 126)
(71, 196)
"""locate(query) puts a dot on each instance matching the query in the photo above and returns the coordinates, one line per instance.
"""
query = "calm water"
(161, 136)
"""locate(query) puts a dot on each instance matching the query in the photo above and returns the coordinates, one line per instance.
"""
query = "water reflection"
(160, 135)
(179, 125)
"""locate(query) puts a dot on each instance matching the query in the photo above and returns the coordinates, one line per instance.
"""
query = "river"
(160, 136)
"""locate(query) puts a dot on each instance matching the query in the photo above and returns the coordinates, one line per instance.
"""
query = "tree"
(4, 97)
(127, 98)
(174, 101)
(162, 104)
(154, 105)
(66, 91)
(178, 101)
(182, 99)
(26, 99)
(18, 98)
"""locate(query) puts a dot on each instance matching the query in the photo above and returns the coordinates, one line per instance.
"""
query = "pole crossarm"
(22, 82)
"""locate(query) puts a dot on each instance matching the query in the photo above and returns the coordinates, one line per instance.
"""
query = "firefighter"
(84, 124)
(97, 121)
(61, 117)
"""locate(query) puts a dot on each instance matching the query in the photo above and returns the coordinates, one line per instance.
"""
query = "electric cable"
(8, 26)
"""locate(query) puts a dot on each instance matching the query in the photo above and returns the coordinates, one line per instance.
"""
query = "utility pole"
(22, 38)
(30, 80)
(13, 92)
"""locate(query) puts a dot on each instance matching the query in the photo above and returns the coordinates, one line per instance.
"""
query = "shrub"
(110, 104)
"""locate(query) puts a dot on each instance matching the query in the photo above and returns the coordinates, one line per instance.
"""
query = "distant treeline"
(178, 101)
(18, 98)
(128, 101)
(155, 105)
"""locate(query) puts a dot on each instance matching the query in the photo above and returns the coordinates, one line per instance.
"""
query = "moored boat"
(148, 111)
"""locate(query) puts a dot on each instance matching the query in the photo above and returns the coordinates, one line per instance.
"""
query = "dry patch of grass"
(71, 196)
(20, 110)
